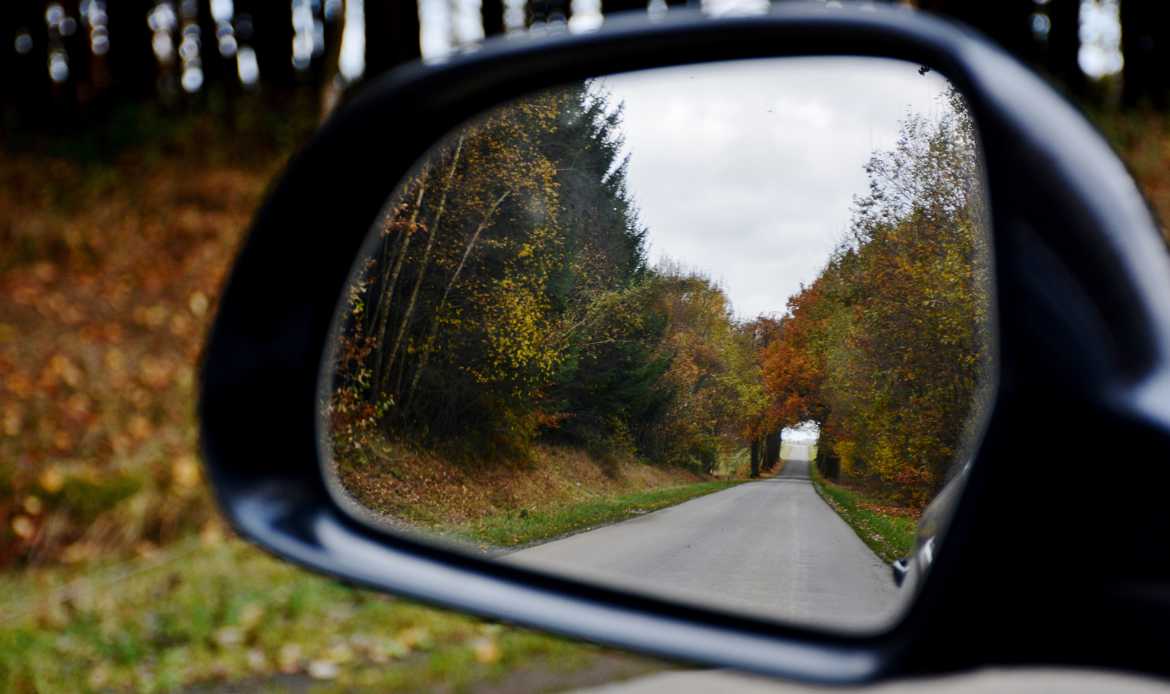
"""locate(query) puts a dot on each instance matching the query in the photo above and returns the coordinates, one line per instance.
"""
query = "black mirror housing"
(1084, 345)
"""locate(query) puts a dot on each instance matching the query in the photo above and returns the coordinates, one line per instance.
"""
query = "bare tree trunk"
(609, 7)
(755, 458)
(79, 89)
(272, 35)
(493, 17)
(1064, 44)
(332, 83)
(390, 273)
(432, 233)
(430, 342)
(771, 450)
(218, 71)
(392, 35)
(390, 281)
(1145, 44)
(131, 60)
(548, 12)
(27, 93)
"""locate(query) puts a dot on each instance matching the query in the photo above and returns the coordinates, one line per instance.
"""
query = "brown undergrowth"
(431, 489)
(108, 282)
(1142, 138)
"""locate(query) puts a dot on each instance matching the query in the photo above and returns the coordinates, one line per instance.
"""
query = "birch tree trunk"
(430, 342)
(431, 235)
(390, 281)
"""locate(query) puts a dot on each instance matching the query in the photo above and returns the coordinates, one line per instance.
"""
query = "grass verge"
(204, 615)
(526, 527)
(889, 536)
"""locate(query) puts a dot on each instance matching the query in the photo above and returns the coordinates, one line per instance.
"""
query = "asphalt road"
(769, 548)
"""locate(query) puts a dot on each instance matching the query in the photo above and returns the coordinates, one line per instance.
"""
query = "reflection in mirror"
(719, 333)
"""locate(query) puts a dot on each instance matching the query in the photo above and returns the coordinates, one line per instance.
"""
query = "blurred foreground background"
(136, 139)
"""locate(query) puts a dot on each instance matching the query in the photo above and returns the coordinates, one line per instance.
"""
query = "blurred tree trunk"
(1145, 45)
(79, 89)
(27, 96)
(332, 83)
(755, 458)
(132, 65)
(1064, 45)
(10, 63)
(392, 34)
(493, 17)
(271, 37)
(828, 464)
(611, 6)
(218, 71)
(771, 450)
(548, 12)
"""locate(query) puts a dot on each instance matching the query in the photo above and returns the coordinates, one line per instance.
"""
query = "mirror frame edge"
(274, 495)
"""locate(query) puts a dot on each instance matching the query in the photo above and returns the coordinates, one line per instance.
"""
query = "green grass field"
(527, 527)
(210, 611)
(890, 537)
(207, 614)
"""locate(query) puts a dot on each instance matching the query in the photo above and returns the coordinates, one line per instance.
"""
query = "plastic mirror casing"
(1057, 553)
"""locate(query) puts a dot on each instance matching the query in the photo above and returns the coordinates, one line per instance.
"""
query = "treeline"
(73, 61)
(100, 63)
(507, 299)
(888, 348)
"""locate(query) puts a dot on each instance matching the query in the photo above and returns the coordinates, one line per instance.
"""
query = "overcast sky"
(747, 170)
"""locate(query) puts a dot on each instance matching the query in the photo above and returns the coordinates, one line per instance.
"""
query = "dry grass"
(887, 530)
(434, 490)
(223, 617)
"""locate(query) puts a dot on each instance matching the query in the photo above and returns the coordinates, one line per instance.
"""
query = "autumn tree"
(888, 348)
(713, 376)
(487, 308)
(506, 298)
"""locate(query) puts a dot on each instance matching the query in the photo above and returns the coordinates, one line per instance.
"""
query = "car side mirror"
(1076, 331)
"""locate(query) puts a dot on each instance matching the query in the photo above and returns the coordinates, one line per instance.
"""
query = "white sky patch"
(1100, 34)
(351, 62)
(805, 432)
(747, 170)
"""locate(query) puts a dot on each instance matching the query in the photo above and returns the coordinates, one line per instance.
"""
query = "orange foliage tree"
(888, 348)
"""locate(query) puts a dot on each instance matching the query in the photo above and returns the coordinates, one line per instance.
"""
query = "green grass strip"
(521, 528)
(212, 615)
(890, 537)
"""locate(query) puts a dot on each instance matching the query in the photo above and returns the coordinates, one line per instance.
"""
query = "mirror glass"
(720, 333)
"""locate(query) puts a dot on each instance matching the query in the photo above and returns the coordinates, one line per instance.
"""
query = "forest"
(889, 350)
(506, 300)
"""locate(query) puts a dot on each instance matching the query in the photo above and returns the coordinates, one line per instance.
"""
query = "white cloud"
(747, 170)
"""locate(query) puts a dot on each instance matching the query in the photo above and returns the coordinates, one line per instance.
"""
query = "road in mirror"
(719, 333)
